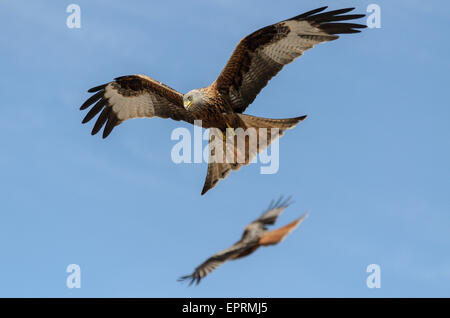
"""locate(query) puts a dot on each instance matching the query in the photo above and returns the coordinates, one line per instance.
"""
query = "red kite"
(256, 59)
(255, 235)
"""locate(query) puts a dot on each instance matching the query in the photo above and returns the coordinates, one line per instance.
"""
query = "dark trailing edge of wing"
(325, 21)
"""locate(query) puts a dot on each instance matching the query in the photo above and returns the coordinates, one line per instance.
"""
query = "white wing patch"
(127, 107)
(302, 36)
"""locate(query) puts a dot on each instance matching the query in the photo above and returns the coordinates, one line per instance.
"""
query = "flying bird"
(256, 59)
(255, 235)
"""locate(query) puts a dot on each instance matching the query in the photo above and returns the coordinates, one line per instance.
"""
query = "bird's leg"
(226, 129)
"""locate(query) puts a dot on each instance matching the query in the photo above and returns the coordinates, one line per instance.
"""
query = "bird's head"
(193, 99)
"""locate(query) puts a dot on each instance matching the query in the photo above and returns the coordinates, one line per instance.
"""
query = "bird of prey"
(255, 235)
(256, 59)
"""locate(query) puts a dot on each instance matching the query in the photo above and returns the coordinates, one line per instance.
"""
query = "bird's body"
(255, 236)
(256, 59)
(211, 108)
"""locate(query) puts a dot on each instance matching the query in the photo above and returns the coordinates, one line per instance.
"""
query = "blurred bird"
(255, 235)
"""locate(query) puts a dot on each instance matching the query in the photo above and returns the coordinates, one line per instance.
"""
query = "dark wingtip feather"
(94, 111)
(319, 18)
(193, 278)
(110, 124)
(341, 28)
(336, 12)
(91, 100)
(281, 202)
(338, 18)
(331, 21)
(101, 120)
(97, 88)
(184, 278)
(284, 203)
(309, 13)
(325, 20)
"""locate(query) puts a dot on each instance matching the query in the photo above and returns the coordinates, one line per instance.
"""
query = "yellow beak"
(187, 103)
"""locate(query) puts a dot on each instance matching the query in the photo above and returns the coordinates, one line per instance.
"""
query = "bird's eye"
(190, 98)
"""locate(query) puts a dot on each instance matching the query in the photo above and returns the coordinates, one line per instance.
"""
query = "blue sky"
(371, 162)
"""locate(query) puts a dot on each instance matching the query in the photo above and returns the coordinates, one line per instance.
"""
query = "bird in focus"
(255, 235)
(256, 59)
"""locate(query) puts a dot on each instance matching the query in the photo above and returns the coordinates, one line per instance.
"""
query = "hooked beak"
(187, 104)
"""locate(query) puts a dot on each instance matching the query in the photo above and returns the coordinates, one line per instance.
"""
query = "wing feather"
(132, 96)
(215, 261)
(101, 120)
(91, 100)
(261, 55)
(271, 214)
(94, 110)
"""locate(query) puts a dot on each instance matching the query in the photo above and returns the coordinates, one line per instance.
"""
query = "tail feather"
(259, 122)
(220, 170)
(278, 235)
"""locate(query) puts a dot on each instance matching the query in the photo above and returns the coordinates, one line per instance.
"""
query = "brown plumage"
(256, 59)
(255, 235)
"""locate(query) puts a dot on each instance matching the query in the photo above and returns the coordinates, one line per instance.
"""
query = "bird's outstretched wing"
(133, 96)
(216, 260)
(261, 55)
(274, 210)
(276, 236)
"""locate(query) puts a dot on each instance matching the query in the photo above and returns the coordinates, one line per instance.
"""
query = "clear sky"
(371, 163)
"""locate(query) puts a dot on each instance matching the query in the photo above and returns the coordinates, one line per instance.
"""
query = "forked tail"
(230, 153)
